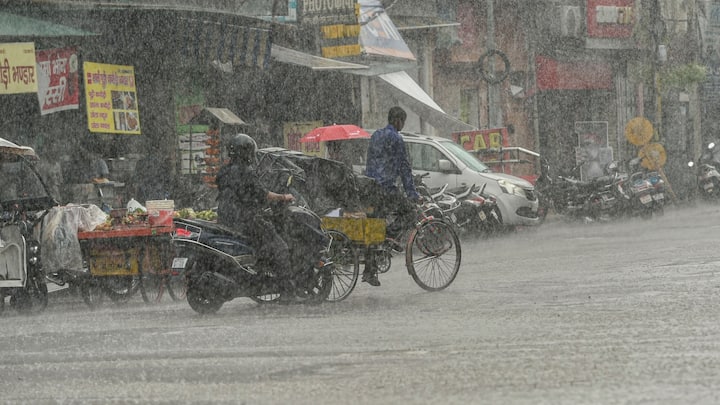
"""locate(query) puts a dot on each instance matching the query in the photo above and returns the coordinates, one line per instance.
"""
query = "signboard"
(17, 68)
(482, 139)
(379, 35)
(293, 131)
(57, 71)
(111, 98)
(592, 153)
(611, 18)
(337, 22)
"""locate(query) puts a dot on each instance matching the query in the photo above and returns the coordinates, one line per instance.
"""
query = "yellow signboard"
(18, 73)
(111, 97)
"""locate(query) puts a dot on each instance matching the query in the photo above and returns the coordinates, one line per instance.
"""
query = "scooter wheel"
(201, 302)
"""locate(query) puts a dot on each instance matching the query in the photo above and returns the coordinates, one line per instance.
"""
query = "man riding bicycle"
(386, 161)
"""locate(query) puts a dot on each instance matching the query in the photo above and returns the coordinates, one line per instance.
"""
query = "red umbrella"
(335, 133)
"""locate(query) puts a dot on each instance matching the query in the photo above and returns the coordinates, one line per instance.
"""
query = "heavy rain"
(372, 201)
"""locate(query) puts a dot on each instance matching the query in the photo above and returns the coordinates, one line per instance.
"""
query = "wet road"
(622, 313)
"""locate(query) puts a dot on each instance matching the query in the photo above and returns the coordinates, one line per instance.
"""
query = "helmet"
(242, 148)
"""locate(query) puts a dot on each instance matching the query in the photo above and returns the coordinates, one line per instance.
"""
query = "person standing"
(387, 162)
(241, 201)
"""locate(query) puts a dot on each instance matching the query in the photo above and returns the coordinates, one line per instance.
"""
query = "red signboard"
(553, 74)
(58, 77)
(482, 139)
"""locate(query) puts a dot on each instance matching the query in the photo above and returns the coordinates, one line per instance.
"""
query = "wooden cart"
(127, 258)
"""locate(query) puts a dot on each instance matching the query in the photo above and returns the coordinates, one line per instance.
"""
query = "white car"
(448, 163)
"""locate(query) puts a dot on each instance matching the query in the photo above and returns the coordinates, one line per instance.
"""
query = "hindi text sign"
(111, 98)
(17, 68)
(57, 71)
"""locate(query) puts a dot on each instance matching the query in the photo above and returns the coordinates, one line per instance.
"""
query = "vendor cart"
(123, 259)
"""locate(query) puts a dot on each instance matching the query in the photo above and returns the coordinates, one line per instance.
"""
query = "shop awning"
(291, 56)
(407, 89)
(228, 44)
(13, 25)
(553, 74)
(224, 115)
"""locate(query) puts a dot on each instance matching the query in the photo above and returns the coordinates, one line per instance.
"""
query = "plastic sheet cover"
(59, 241)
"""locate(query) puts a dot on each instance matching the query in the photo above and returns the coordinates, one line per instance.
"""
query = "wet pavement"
(617, 313)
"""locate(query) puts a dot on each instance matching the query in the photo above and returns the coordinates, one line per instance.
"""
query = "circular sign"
(494, 66)
(653, 156)
(639, 131)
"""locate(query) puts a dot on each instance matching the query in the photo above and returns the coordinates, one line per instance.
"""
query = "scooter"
(24, 201)
(219, 263)
(706, 173)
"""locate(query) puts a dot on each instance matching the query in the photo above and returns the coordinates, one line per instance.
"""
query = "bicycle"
(432, 248)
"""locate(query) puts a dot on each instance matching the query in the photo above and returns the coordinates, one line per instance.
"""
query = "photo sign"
(17, 68)
(111, 98)
(57, 71)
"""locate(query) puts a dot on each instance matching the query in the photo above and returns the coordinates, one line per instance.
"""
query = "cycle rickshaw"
(431, 247)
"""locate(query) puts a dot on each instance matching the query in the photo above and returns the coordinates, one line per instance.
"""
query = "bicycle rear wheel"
(433, 255)
(347, 266)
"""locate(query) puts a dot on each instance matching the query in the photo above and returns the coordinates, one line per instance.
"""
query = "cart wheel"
(92, 293)
(120, 288)
(433, 255)
(176, 285)
(152, 286)
(346, 266)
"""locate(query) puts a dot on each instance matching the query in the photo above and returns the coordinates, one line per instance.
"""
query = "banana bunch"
(189, 213)
(185, 213)
(208, 215)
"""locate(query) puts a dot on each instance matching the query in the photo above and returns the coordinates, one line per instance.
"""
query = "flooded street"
(619, 313)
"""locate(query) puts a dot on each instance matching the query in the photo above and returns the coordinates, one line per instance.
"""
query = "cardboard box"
(160, 212)
(160, 218)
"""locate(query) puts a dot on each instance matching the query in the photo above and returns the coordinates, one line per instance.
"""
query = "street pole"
(495, 119)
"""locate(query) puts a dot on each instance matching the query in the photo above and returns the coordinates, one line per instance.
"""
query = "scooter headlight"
(510, 188)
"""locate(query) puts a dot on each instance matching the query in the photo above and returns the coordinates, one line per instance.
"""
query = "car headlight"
(511, 188)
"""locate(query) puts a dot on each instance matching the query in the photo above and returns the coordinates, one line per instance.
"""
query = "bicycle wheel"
(347, 266)
(433, 254)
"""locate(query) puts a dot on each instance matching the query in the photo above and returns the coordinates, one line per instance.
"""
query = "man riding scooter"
(241, 201)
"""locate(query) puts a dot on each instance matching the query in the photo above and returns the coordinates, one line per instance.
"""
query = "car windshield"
(465, 157)
(18, 180)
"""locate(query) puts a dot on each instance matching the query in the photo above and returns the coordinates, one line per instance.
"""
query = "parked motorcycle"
(24, 201)
(642, 193)
(707, 174)
(589, 200)
(471, 211)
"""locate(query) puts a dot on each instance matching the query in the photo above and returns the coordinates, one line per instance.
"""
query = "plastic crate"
(368, 231)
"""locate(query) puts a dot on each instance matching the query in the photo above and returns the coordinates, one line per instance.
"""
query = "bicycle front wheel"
(433, 255)
(347, 266)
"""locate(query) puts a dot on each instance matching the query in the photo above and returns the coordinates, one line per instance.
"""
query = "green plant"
(683, 76)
